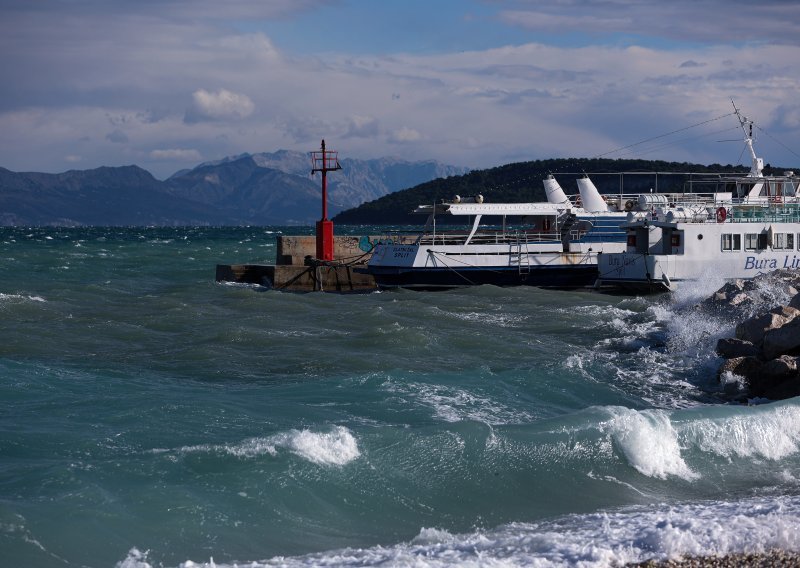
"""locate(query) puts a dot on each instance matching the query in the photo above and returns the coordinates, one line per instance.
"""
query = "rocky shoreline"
(761, 361)
(773, 558)
(765, 351)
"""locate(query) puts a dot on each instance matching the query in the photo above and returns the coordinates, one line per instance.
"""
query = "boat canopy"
(493, 209)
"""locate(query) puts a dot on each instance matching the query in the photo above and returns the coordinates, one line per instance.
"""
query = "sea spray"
(649, 442)
(337, 447)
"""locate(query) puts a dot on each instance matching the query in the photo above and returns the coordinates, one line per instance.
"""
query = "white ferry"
(754, 228)
(553, 244)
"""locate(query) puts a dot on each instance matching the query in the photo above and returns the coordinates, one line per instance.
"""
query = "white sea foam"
(457, 404)
(660, 444)
(770, 433)
(588, 541)
(337, 447)
(649, 442)
(488, 318)
(137, 559)
(692, 291)
(20, 298)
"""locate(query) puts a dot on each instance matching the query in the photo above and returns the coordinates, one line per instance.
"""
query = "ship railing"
(766, 212)
(695, 199)
(398, 238)
(487, 238)
(630, 201)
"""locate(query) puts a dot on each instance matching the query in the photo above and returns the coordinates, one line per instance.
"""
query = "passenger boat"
(553, 244)
(753, 229)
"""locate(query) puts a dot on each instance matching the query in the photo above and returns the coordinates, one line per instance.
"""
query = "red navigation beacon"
(324, 161)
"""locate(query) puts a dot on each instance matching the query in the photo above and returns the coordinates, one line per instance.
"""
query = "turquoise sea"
(152, 417)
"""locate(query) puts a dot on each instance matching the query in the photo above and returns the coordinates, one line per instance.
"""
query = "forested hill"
(522, 182)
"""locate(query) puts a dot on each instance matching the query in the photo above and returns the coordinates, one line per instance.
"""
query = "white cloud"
(177, 154)
(218, 105)
(405, 135)
(362, 127)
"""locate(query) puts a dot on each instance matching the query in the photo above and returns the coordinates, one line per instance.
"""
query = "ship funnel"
(590, 197)
(554, 192)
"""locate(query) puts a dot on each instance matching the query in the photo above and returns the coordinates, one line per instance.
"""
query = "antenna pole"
(324, 161)
(747, 127)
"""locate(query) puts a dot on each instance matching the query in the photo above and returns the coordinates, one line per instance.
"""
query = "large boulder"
(732, 294)
(742, 366)
(782, 340)
(789, 388)
(739, 298)
(772, 375)
(730, 347)
(753, 329)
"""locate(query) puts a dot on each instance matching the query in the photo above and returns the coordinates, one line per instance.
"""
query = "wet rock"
(742, 366)
(753, 329)
(731, 347)
(740, 300)
(731, 293)
(766, 350)
(787, 389)
(781, 367)
(782, 340)
(771, 375)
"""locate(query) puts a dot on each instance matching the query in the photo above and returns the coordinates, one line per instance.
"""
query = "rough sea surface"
(152, 417)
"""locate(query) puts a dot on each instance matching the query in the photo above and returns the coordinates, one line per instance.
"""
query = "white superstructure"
(754, 228)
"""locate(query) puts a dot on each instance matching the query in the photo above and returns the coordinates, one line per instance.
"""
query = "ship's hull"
(431, 278)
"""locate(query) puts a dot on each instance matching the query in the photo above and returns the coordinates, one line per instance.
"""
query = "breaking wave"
(594, 540)
(337, 447)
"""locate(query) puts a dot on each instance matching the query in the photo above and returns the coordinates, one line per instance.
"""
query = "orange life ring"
(721, 215)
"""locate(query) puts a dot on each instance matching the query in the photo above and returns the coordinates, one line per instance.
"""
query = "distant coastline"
(276, 189)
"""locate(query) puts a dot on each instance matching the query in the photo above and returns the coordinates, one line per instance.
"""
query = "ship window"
(731, 241)
(755, 241)
(783, 241)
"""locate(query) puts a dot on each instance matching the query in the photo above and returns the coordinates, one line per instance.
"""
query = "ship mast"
(757, 164)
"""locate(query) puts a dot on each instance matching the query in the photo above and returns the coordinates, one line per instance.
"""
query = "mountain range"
(249, 189)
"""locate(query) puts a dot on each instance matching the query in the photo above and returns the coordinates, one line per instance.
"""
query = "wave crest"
(337, 447)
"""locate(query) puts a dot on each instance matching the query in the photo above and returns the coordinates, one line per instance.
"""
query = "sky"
(168, 84)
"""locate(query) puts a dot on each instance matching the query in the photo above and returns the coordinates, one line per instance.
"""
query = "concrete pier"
(296, 271)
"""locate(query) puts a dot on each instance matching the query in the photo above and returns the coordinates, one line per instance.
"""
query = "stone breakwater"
(765, 349)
